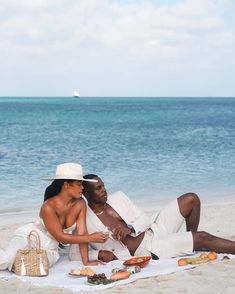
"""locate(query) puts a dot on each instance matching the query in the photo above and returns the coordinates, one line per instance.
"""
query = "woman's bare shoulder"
(48, 206)
(80, 203)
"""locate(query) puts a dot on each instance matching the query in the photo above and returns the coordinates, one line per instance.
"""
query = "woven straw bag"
(32, 261)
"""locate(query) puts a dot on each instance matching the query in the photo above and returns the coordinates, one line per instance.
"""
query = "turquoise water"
(151, 148)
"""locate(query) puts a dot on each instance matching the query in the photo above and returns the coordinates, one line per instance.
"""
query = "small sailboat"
(76, 94)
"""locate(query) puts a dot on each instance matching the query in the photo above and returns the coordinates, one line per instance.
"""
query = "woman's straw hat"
(69, 171)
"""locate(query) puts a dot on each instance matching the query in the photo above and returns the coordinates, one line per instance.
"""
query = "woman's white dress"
(19, 241)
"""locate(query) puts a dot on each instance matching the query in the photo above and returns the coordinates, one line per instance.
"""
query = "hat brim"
(69, 178)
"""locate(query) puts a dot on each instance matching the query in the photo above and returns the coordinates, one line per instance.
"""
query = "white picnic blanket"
(59, 277)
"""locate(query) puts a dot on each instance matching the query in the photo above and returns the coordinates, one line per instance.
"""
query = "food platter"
(141, 261)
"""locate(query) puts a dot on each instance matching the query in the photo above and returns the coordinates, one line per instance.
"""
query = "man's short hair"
(86, 185)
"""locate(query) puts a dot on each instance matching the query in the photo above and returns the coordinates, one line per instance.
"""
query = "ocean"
(153, 149)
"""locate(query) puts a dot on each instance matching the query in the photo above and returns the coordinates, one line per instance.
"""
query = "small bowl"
(141, 261)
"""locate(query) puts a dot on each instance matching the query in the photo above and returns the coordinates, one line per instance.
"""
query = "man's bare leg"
(190, 207)
(203, 240)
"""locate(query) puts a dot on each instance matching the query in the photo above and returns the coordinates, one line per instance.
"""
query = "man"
(132, 232)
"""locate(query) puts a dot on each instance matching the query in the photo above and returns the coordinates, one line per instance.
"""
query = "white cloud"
(71, 35)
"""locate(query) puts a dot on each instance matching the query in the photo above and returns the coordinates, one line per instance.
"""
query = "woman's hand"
(98, 237)
(94, 262)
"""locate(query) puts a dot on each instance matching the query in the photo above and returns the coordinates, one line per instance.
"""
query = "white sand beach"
(213, 277)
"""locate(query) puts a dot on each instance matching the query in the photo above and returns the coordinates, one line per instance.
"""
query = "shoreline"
(218, 196)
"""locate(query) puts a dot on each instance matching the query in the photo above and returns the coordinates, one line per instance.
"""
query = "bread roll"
(121, 275)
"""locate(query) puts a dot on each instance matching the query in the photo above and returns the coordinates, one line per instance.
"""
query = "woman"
(63, 210)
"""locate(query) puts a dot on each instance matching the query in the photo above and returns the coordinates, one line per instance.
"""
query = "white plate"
(71, 274)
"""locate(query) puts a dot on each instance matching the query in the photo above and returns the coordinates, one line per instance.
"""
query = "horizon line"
(40, 96)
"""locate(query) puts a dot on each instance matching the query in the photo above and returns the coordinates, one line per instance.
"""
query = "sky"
(108, 48)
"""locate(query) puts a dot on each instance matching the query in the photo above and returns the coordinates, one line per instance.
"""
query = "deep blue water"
(148, 147)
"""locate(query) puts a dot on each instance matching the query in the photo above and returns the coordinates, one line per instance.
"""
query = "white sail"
(75, 94)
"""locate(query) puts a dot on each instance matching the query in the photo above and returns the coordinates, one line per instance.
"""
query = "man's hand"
(106, 256)
(120, 233)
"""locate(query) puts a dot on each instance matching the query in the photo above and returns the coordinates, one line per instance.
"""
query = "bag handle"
(34, 234)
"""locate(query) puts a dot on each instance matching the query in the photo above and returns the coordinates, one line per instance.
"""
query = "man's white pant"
(167, 236)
